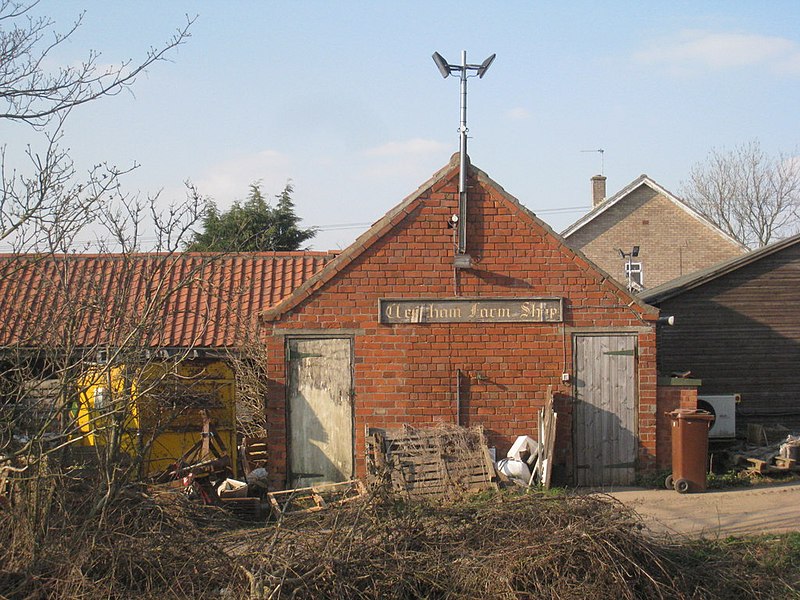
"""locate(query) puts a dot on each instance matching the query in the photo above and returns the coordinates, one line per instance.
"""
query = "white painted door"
(605, 411)
(320, 411)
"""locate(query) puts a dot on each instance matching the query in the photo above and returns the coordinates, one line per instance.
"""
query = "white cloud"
(409, 160)
(691, 50)
(415, 159)
(518, 114)
(230, 180)
(412, 147)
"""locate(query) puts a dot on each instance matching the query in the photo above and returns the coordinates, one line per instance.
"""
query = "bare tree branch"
(31, 94)
(747, 194)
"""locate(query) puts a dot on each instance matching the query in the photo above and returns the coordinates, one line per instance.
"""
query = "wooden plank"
(315, 497)
(786, 463)
(757, 465)
(548, 470)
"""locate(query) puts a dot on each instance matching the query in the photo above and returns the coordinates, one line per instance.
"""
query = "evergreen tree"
(252, 226)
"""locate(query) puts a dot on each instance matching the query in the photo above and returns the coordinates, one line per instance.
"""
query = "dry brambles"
(497, 545)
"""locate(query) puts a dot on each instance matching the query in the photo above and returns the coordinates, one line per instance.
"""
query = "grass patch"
(771, 562)
(729, 479)
(653, 480)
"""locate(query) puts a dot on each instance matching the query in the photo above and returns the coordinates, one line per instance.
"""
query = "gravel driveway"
(773, 508)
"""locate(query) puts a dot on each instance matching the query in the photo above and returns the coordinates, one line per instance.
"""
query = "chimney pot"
(598, 190)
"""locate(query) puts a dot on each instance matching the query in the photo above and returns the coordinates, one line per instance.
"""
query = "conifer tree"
(252, 226)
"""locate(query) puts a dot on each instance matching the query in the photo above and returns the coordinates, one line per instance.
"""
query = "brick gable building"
(673, 239)
(390, 332)
(396, 329)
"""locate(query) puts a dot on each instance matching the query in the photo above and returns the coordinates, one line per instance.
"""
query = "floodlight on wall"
(447, 69)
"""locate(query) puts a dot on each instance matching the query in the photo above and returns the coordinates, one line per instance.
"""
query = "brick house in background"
(396, 331)
(673, 239)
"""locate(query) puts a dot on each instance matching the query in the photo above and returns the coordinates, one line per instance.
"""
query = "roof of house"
(693, 280)
(407, 207)
(630, 188)
(190, 300)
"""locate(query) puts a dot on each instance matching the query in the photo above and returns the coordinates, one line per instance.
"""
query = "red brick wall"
(670, 397)
(406, 373)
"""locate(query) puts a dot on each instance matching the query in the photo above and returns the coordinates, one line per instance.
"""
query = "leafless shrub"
(143, 546)
(532, 546)
(252, 384)
(496, 546)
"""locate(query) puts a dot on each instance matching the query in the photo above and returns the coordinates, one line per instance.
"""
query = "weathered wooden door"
(605, 412)
(320, 411)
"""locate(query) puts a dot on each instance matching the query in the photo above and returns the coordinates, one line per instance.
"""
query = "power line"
(143, 241)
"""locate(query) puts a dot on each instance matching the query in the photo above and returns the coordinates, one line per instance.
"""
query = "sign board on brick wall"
(471, 310)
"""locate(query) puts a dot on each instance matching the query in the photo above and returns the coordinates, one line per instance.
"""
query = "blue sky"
(344, 99)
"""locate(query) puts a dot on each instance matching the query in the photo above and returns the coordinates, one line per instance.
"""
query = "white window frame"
(634, 274)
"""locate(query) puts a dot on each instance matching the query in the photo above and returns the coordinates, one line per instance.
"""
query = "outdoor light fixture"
(444, 68)
(447, 69)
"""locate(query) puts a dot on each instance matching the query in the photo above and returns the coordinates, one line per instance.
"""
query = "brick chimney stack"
(598, 190)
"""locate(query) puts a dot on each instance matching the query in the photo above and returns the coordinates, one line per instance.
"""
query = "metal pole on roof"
(462, 152)
(447, 69)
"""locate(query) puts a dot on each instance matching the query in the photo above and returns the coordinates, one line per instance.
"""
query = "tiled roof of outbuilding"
(147, 300)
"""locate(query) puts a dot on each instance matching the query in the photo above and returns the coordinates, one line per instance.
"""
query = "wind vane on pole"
(447, 69)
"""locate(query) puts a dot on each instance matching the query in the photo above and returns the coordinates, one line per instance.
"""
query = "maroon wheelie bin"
(689, 450)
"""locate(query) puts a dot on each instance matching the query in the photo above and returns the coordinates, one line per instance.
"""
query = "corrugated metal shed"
(145, 300)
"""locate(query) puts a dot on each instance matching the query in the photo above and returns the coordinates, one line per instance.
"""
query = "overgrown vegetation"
(504, 546)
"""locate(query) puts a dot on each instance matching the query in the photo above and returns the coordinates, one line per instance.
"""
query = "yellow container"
(158, 410)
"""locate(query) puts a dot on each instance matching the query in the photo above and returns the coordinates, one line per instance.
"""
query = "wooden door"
(320, 411)
(605, 411)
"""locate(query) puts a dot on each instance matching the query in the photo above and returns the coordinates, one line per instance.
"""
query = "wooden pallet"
(314, 498)
(435, 462)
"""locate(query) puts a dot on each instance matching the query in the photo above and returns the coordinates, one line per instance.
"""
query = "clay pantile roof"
(195, 300)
